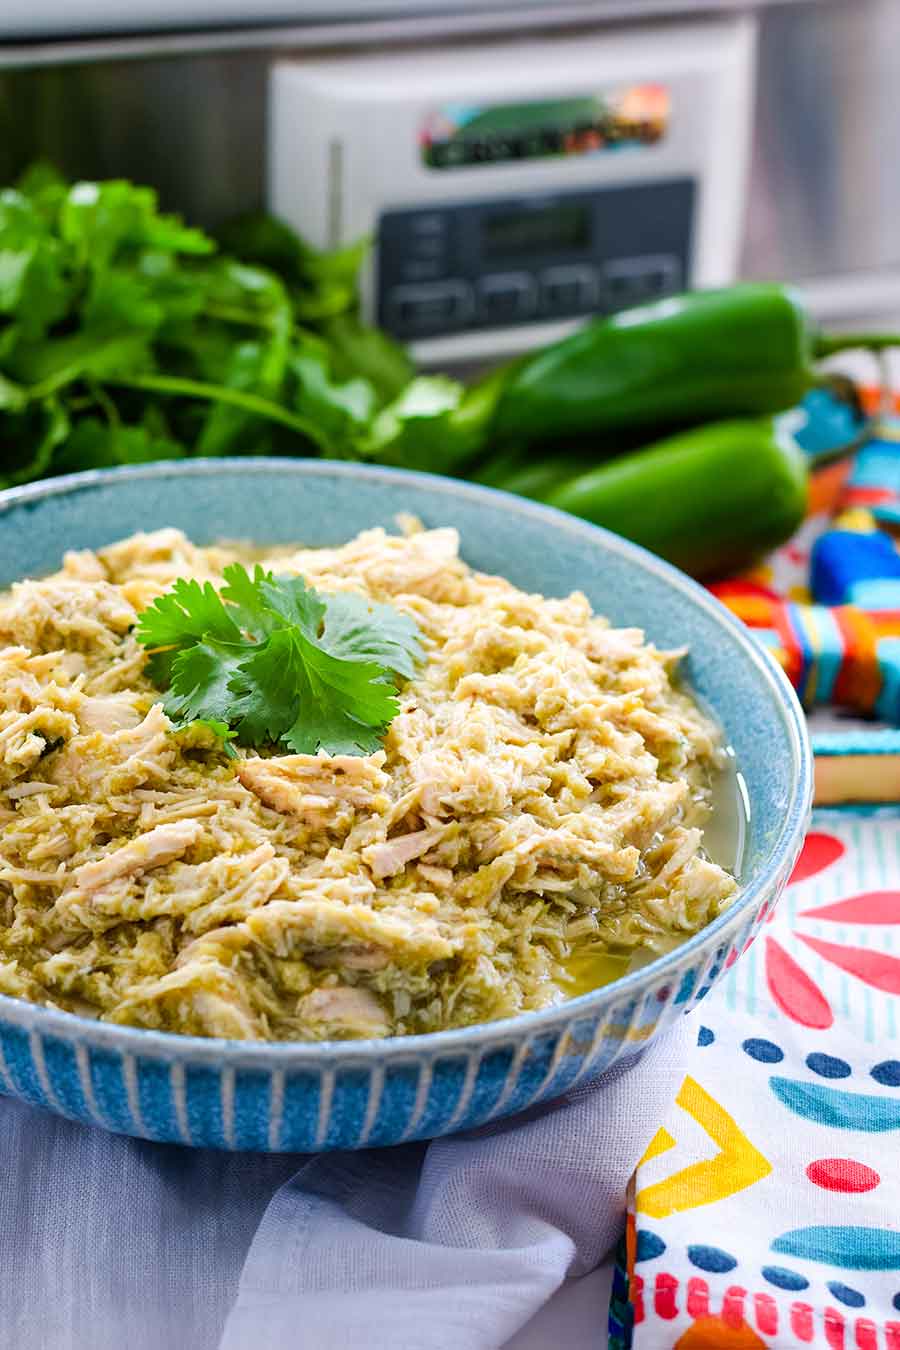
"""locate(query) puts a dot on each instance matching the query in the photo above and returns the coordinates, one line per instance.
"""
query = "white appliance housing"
(451, 270)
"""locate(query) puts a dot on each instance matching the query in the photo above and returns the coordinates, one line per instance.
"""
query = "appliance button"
(506, 297)
(627, 281)
(429, 222)
(422, 269)
(430, 308)
(427, 245)
(569, 290)
(664, 277)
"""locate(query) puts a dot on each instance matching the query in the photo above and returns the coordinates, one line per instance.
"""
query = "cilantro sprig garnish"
(269, 661)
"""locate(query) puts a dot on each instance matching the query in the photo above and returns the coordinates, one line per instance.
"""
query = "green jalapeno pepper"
(742, 351)
(710, 499)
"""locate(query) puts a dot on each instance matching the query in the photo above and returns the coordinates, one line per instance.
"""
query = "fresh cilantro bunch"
(270, 661)
(127, 336)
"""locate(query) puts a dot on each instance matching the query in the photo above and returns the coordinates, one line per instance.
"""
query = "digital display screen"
(512, 234)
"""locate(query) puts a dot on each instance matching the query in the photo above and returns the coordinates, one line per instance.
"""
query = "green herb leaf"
(416, 431)
(201, 678)
(13, 398)
(435, 424)
(357, 629)
(357, 350)
(99, 445)
(345, 706)
(322, 283)
(49, 366)
(120, 298)
(36, 434)
(34, 285)
(343, 411)
(230, 430)
(266, 689)
(100, 219)
(294, 603)
(246, 601)
(277, 662)
(188, 613)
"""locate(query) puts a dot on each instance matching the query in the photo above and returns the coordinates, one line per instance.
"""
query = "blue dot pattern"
(712, 1259)
(887, 1073)
(784, 1279)
(767, 1052)
(828, 1066)
(649, 1246)
(852, 1297)
(896, 1302)
(705, 1036)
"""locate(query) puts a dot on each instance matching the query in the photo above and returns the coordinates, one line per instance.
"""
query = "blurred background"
(521, 164)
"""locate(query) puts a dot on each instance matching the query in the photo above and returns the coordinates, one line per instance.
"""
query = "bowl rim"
(172, 1045)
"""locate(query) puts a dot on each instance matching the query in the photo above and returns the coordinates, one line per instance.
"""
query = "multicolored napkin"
(766, 1211)
(827, 604)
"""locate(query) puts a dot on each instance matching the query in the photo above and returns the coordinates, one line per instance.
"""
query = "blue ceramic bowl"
(349, 1094)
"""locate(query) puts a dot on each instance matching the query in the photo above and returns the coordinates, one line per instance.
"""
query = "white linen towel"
(108, 1242)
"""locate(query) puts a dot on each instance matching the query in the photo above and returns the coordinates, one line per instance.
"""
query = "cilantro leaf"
(98, 445)
(323, 283)
(342, 411)
(189, 612)
(275, 662)
(356, 350)
(201, 681)
(33, 282)
(266, 689)
(13, 397)
(295, 603)
(290, 689)
(120, 298)
(435, 424)
(42, 428)
(246, 600)
(357, 629)
(99, 219)
(345, 706)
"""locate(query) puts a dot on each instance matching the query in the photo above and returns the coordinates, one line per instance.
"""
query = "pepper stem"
(827, 344)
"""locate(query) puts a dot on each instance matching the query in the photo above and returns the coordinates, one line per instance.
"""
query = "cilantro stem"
(67, 374)
(110, 411)
(234, 314)
(248, 319)
(217, 393)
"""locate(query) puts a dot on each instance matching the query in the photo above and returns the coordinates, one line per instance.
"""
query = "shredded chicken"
(157, 847)
(308, 785)
(538, 805)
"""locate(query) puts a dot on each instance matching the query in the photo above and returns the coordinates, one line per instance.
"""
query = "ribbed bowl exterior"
(317, 1097)
(213, 1094)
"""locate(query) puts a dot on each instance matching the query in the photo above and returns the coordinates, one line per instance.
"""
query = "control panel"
(511, 187)
(497, 263)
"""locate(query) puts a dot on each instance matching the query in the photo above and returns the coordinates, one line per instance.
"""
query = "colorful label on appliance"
(460, 135)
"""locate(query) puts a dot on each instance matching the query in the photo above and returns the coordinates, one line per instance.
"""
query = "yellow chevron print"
(661, 1142)
(737, 1165)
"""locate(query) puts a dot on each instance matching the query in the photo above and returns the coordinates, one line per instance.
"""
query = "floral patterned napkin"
(766, 1210)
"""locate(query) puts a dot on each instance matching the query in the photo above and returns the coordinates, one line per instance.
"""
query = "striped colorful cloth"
(827, 605)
